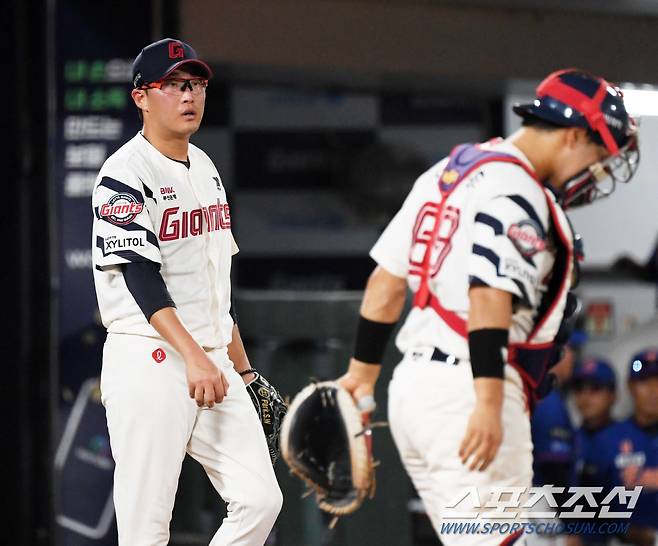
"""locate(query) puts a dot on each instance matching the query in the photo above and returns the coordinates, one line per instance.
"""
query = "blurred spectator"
(626, 453)
(552, 431)
(553, 436)
(636, 460)
(593, 385)
(551, 427)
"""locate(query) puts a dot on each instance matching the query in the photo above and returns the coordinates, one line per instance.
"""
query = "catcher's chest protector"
(531, 359)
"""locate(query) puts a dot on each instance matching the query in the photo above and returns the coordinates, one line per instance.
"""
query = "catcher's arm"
(489, 319)
(238, 355)
(383, 301)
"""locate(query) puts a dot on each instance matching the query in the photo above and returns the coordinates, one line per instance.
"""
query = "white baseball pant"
(153, 422)
(429, 406)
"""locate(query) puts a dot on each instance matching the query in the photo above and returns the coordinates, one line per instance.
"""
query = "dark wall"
(26, 280)
(29, 281)
(425, 39)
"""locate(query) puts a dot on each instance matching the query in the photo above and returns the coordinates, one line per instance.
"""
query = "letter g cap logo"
(176, 50)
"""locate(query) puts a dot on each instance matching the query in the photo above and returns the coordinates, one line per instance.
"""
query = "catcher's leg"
(414, 462)
(149, 418)
(228, 441)
(429, 407)
(512, 468)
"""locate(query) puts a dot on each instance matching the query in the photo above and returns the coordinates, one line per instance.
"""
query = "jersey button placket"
(210, 254)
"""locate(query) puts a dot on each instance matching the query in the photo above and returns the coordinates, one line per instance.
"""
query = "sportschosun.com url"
(542, 528)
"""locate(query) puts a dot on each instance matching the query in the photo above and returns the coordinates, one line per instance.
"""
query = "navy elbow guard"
(371, 340)
(486, 347)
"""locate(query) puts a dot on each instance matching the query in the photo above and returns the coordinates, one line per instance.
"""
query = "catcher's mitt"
(325, 441)
(270, 408)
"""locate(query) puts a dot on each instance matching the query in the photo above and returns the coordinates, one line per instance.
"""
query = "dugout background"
(320, 116)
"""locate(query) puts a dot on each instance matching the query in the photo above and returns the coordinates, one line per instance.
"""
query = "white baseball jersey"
(494, 231)
(148, 207)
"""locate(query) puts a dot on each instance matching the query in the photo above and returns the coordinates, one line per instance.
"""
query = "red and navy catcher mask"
(573, 98)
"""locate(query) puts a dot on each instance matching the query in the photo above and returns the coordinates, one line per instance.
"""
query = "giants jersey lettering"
(493, 231)
(176, 224)
(148, 207)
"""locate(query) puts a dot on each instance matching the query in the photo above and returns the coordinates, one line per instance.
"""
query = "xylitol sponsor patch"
(135, 240)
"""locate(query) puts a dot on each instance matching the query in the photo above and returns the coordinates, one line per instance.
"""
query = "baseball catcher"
(270, 408)
(326, 441)
(485, 245)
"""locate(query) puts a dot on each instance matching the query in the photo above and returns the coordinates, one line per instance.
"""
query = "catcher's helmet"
(573, 98)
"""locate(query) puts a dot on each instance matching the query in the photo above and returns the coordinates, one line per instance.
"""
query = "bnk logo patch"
(121, 209)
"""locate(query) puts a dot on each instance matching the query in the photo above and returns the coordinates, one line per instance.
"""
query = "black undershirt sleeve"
(147, 286)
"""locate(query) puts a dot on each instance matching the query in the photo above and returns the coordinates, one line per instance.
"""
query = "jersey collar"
(150, 146)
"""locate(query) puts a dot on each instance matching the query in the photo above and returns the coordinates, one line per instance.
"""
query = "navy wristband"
(486, 349)
(371, 340)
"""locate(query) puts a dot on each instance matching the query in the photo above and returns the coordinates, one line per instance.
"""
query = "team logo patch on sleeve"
(527, 237)
(121, 209)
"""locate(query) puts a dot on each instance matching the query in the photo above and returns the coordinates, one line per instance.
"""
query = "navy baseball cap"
(594, 371)
(161, 58)
(644, 365)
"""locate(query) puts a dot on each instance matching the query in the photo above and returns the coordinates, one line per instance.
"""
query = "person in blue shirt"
(552, 431)
(626, 453)
(594, 391)
(593, 386)
(553, 434)
(636, 460)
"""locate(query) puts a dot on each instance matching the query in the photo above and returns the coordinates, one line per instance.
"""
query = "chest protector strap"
(530, 359)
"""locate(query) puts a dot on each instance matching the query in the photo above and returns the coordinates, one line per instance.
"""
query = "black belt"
(440, 356)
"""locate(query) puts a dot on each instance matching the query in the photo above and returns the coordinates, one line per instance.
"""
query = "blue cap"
(595, 371)
(159, 59)
(644, 365)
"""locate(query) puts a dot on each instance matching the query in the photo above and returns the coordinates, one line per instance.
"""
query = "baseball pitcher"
(173, 360)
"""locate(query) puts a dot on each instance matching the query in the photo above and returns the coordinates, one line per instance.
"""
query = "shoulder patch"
(121, 209)
(527, 237)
